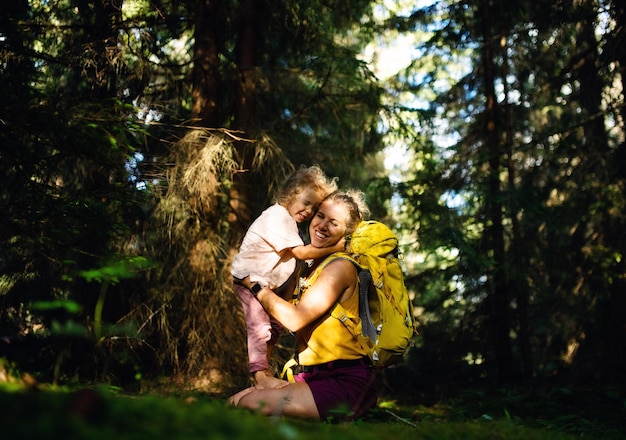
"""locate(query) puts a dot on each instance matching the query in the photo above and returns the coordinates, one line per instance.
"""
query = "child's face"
(304, 204)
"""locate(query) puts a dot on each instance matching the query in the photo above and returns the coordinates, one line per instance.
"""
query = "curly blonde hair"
(306, 177)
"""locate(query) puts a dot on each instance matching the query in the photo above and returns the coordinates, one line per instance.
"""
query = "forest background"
(140, 138)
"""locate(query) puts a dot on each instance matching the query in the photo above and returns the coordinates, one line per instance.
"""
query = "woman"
(337, 382)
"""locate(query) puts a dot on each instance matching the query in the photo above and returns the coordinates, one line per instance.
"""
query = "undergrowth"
(39, 412)
(99, 413)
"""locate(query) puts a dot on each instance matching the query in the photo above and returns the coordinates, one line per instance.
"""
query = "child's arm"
(308, 252)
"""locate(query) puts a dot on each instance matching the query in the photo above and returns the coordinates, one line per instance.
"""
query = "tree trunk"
(242, 198)
(107, 18)
(519, 287)
(247, 48)
(498, 301)
(205, 75)
(603, 353)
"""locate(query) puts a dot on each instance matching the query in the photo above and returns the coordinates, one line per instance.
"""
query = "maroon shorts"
(343, 392)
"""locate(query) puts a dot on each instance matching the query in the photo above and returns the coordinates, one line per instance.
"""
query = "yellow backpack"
(385, 325)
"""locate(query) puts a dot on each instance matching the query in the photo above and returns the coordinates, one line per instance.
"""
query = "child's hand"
(341, 245)
(245, 282)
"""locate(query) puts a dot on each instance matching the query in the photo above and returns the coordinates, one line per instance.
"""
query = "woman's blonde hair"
(306, 177)
(354, 200)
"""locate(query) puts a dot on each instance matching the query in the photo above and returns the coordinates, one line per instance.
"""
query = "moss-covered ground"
(100, 412)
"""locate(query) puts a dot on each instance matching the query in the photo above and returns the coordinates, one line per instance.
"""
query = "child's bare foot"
(264, 379)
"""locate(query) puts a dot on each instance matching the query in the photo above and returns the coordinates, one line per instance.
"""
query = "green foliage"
(99, 413)
(517, 215)
(123, 268)
(69, 306)
(68, 197)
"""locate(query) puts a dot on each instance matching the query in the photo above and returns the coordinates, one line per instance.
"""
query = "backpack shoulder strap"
(365, 283)
(303, 284)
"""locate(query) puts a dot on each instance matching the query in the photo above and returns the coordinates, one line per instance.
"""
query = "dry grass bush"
(271, 163)
(195, 319)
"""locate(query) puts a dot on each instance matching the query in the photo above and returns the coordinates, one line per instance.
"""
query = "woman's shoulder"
(340, 258)
(339, 262)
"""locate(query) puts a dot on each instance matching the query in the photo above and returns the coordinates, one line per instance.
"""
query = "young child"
(269, 253)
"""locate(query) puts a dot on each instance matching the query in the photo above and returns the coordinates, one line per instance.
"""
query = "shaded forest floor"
(41, 412)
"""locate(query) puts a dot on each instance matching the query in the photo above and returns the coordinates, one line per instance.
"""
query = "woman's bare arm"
(336, 280)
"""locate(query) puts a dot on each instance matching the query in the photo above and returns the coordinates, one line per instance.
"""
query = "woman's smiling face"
(329, 224)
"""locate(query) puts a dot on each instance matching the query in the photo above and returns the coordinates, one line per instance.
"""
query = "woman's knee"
(235, 399)
(255, 402)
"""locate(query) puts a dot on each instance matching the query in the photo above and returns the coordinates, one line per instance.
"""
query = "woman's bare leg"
(294, 399)
(234, 399)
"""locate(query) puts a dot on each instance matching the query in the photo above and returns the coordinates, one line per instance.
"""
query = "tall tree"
(206, 65)
(498, 300)
(513, 194)
(70, 196)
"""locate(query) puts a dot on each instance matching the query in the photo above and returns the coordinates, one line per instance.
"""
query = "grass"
(167, 410)
(48, 412)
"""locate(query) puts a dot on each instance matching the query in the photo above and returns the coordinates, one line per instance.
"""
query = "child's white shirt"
(263, 249)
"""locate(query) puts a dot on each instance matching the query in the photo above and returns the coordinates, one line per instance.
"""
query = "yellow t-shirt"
(328, 339)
